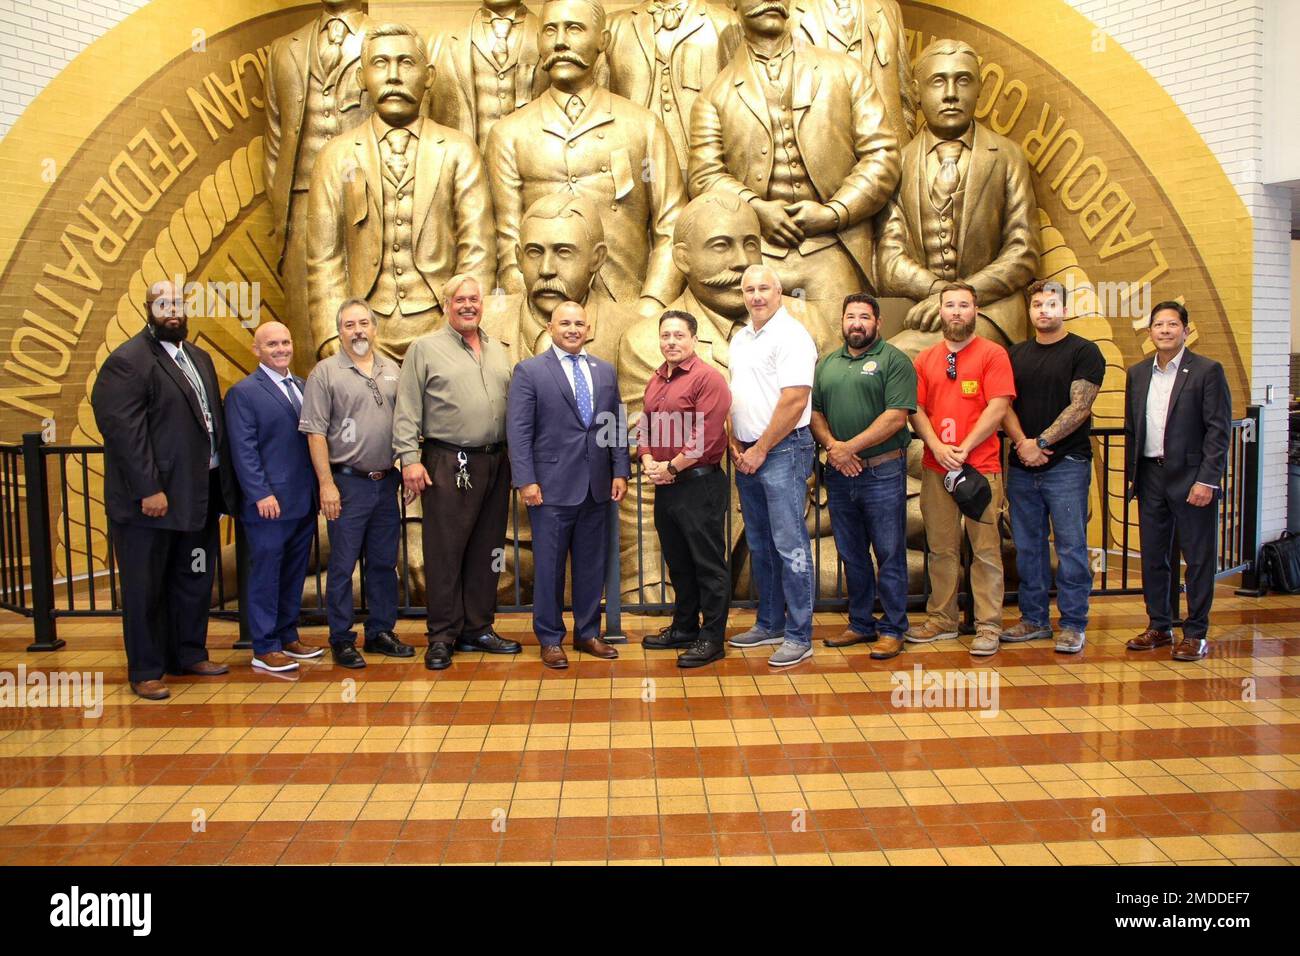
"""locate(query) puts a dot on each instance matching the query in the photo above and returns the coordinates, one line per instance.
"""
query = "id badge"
(207, 420)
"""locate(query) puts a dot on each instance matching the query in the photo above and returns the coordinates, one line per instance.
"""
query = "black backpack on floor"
(1280, 563)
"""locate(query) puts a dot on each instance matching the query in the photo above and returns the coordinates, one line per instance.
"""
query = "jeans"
(869, 513)
(369, 522)
(1058, 495)
(772, 502)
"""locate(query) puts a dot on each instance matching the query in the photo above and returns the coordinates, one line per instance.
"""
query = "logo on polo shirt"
(970, 386)
(870, 367)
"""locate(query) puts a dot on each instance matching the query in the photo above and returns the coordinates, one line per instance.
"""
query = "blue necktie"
(293, 398)
(581, 392)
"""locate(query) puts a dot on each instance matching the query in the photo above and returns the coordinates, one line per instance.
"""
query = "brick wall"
(1209, 56)
(38, 39)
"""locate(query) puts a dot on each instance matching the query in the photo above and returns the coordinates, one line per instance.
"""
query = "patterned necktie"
(293, 395)
(573, 108)
(192, 376)
(397, 140)
(949, 177)
(331, 50)
(580, 391)
(501, 32)
(668, 16)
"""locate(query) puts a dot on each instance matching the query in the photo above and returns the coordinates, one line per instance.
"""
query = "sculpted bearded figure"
(965, 210)
(662, 53)
(313, 93)
(800, 134)
(870, 31)
(579, 138)
(486, 69)
(397, 206)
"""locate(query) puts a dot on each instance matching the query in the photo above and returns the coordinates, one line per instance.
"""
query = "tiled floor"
(1111, 757)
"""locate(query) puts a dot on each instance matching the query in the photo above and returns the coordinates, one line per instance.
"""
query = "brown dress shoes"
(1150, 639)
(595, 647)
(1191, 649)
(151, 689)
(848, 639)
(553, 657)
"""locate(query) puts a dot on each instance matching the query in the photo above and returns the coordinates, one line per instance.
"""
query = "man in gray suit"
(569, 459)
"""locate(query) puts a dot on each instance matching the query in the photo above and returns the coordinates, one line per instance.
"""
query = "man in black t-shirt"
(1058, 375)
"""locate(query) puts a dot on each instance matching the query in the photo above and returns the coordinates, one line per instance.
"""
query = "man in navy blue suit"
(279, 493)
(569, 459)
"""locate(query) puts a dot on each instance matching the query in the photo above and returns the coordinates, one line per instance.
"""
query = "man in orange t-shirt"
(964, 386)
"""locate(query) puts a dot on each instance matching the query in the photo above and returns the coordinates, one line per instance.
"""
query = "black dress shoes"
(489, 642)
(438, 656)
(386, 643)
(700, 653)
(668, 637)
(347, 655)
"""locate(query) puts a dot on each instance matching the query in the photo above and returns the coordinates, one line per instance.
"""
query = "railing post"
(41, 559)
(613, 583)
(1251, 501)
(245, 641)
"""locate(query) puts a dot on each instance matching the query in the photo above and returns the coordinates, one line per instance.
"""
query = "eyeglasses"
(374, 390)
(952, 366)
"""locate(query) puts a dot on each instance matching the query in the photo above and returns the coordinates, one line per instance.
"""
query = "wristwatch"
(672, 470)
(1042, 442)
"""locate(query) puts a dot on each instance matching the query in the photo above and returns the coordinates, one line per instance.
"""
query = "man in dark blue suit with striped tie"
(569, 459)
(279, 493)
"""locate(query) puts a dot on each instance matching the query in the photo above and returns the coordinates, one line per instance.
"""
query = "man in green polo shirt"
(862, 395)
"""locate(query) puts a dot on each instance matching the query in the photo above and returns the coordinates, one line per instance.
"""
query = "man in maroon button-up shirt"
(681, 440)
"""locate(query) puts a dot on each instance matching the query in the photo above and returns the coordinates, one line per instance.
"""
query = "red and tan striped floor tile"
(933, 758)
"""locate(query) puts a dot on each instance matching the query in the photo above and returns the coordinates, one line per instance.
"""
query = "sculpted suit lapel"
(983, 159)
(428, 166)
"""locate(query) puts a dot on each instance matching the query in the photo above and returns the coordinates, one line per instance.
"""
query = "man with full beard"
(964, 387)
(862, 395)
(167, 480)
(347, 416)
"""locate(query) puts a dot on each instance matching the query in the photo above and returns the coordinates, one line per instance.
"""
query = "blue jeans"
(369, 522)
(772, 502)
(869, 513)
(1058, 495)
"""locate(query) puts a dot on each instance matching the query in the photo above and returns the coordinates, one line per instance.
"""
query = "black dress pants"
(1162, 506)
(690, 518)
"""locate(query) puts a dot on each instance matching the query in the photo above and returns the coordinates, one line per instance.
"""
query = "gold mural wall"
(142, 160)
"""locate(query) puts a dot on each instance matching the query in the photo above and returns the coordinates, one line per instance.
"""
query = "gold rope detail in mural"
(205, 214)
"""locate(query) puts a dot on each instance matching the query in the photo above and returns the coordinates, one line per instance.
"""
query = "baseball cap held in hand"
(970, 490)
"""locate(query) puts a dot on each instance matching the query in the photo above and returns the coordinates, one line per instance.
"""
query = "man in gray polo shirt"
(347, 415)
(449, 435)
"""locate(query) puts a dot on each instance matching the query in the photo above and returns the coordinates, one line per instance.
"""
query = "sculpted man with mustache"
(582, 140)
(398, 205)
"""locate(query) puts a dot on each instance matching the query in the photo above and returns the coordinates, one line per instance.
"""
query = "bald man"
(279, 498)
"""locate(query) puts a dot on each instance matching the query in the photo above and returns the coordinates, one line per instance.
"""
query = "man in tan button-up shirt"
(449, 433)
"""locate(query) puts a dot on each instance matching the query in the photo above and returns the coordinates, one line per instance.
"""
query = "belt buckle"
(375, 475)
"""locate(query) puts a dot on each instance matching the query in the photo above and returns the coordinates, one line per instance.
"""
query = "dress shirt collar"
(352, 20)
(276, 377)
(667, 374)
(382, 129)
(1174, 363)
(967, 139)
(563, 355)
(780, 313)
(786, 49)
(171, 348)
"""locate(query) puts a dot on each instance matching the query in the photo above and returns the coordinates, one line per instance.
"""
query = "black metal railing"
(57, 557)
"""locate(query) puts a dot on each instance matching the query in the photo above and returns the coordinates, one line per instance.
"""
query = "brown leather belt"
(882, 458)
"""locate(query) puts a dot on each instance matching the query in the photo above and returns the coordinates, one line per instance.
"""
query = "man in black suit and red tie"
(1177, 417)
(167, 480)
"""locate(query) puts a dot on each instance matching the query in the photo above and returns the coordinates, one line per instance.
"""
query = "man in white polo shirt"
(773, 359)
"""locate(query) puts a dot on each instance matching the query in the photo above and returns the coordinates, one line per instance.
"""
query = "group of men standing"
(482, 237)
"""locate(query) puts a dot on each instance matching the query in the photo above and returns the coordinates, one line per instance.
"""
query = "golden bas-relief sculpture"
(486, 68)
(580, 138)
(965, 209)
(787, 119)
(802, 135)
(397, 206)
(313, 93)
